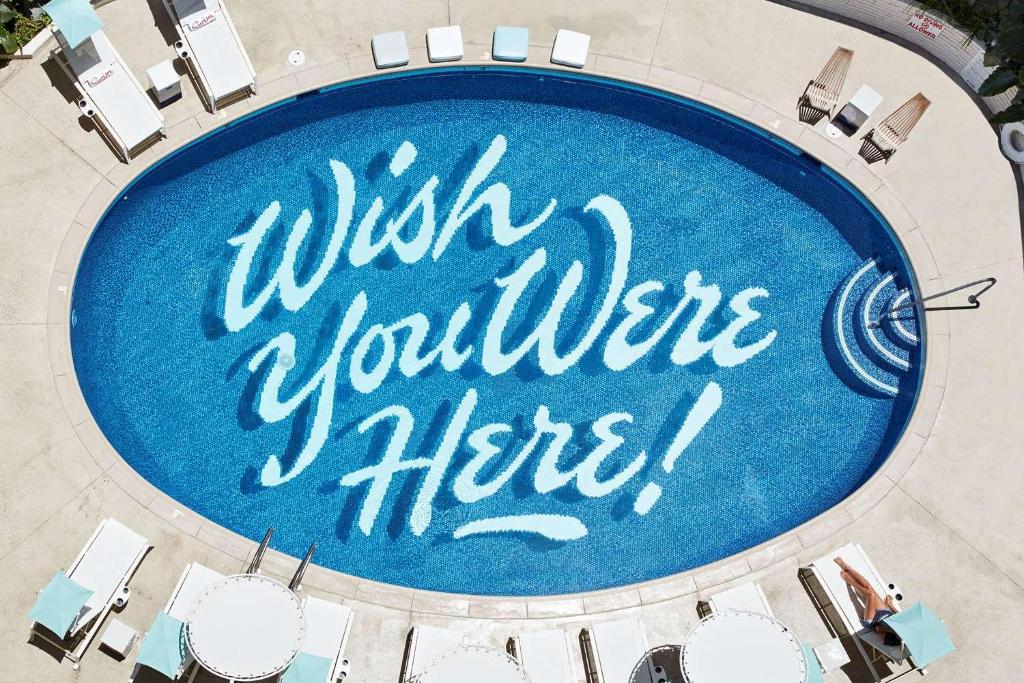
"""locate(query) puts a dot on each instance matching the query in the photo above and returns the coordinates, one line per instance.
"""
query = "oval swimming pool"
(497, 331)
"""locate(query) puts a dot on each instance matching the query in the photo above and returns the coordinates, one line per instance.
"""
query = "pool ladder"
(296, 583)
(972, 301)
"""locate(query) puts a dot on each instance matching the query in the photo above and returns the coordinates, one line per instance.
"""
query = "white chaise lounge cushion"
(444, 43)
(214, 47)
(105, 564)
(390, 49)
(106, 81)
(847, 601)
(619, 646)
(570, 48)
(326, 627)
(193, 582)
(544, 656)
(746, 597)
(425, 644)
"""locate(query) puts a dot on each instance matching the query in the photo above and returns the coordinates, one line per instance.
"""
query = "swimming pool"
(497, 331)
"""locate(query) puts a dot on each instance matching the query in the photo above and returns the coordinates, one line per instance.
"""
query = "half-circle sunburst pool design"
(497, 331)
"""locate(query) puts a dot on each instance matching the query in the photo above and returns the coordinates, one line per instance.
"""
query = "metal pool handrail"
(972, 300)
(254, 566)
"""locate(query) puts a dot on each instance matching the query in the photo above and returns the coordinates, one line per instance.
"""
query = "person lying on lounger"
(875, 608)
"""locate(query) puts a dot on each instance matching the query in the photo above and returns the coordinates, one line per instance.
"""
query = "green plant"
(999, 25)
(17, 26)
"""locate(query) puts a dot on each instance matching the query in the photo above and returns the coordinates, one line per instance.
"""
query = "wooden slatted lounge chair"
(821, 95)
(882, 141)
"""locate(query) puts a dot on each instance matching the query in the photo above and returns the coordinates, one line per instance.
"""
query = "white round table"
(245, 628)
(735, 646)
(474, 663)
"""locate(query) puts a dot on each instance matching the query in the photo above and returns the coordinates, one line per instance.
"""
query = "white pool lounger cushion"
(327, 628)
(214, 48)
(425, 644)
(618, 647)
(390, 49)
(444, 44)
(105, 80)
(544, 656)
(746, 597)
(570, 48)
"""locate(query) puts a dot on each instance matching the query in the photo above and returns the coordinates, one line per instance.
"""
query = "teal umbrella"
(923, 634)
(163, 649)
(307, 668)
(76, 19)
(59, 604)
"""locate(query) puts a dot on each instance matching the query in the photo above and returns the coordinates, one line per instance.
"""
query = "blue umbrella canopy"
(59, 604)
(923, 634)
(307, 668)
(76, 19)
(163, 649)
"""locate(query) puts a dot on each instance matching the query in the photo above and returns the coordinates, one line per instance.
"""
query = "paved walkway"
(943, 519)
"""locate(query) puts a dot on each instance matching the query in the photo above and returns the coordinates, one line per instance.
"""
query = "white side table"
(165, 82)
(831, 655)
(119, 637)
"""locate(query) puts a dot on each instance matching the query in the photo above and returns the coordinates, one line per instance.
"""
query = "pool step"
(875, 342)
(871, 359)
(901, 327)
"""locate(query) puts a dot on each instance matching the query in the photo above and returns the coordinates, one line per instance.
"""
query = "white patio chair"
(847, 603)
(614, 650)
(211, 48)
(104, 566)
(109, 93)
(746, 597)
(424, 645)
(544, 655)
(852, 116)
(570, 48)
(195, 579)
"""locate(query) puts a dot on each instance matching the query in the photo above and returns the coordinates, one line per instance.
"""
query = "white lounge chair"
(424, 645)
(544, 655)
(746, 597)
(847, 603)
(570, 48)
(852, 116)
(323, 648)
(444, 44)
(166, 630)
(104, 566)
(209, 45)
(614, 650)
(110, 94)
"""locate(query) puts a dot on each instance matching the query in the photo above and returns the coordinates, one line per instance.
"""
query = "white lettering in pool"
(366, 351)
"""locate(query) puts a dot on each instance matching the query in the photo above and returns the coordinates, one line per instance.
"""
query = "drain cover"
(296, 57)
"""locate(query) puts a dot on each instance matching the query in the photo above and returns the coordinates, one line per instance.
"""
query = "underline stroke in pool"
(379, 344)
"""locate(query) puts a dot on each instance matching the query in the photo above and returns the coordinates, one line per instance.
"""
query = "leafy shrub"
(999, 25)
(17, 26)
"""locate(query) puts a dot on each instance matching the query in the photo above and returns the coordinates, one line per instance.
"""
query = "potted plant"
(19, 23)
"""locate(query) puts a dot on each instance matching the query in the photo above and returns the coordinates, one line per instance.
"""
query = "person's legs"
(872, 601)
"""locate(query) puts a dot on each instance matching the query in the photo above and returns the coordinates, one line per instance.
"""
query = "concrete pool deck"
(941, 519)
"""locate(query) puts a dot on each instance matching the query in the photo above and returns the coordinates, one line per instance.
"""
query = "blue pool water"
(496, 331)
